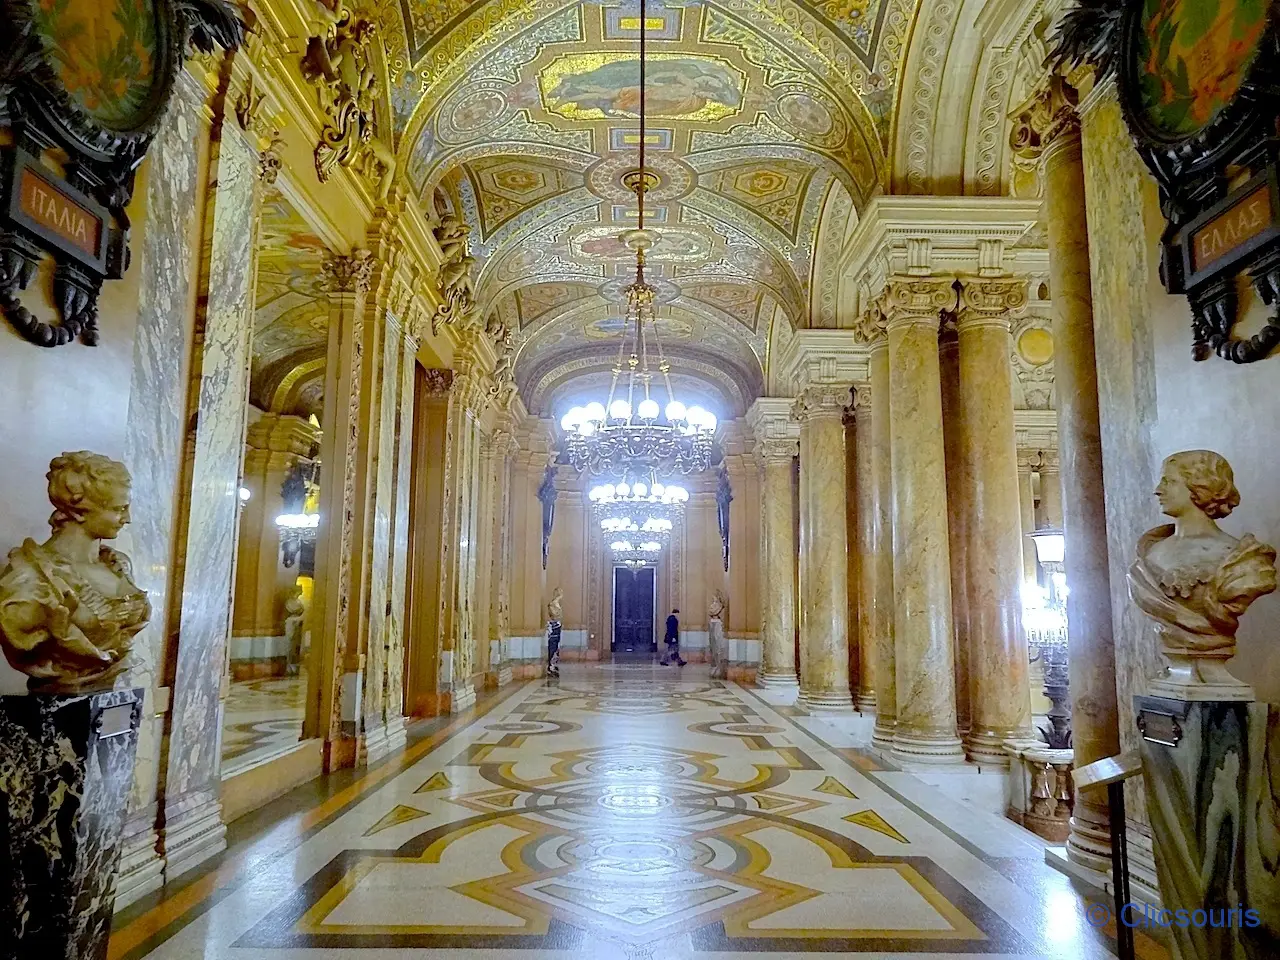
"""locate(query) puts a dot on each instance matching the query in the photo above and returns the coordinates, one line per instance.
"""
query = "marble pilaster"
(335, 663)
(504, 447)
(877, 584)
(1052, 120)
(824, 626)
(923, 630)
(167, 257)
(1001, 706)
(394, 696)
(218, 404)
(863, 585)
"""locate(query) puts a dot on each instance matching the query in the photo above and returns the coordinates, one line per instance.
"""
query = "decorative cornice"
(770, 421)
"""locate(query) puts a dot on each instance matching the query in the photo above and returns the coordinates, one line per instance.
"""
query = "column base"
(923, 748)
(882, 735)
(826, 701)
(865, 701)
(786, 680)
(504, 675)
(193, 837)
(141, 866)
(988, 747)
(1089, 845)
(464, 696)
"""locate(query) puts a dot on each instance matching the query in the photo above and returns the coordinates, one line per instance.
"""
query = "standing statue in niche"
(69, 608)
(1196, 581)
(555, 609)
(716, 638)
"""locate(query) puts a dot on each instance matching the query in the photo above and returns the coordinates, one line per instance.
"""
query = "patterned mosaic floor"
(628, 811)
(263, 718)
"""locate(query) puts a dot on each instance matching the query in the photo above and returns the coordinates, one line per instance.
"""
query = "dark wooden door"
(633, 592)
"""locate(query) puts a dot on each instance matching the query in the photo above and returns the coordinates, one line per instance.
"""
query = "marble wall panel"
(394, 686)
(222, 348)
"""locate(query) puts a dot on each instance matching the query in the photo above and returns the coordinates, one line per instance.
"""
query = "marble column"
(1027, 514)
(394, 705)
(923, 629)
(505, 449)
(877, 584)
(335, 664)
(824, 624)
(1052, 121)
(1000, 704)
(863, 585)
(959, 507)
(209, 504)
(1051, 489)
(776, 447)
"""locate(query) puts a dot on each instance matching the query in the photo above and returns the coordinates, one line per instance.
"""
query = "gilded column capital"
(347, 274)
(1047, 116)
(986, 301)
(917, 300)
(821, 402)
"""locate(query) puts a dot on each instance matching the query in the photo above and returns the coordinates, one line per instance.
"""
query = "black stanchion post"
(1120, 868)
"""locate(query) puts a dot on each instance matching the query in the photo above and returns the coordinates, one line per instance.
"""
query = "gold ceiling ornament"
(635, 431)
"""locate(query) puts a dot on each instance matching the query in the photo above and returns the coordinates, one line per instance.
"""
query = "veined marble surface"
(628, 811)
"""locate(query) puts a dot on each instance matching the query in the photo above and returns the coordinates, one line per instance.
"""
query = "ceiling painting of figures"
(526, 115)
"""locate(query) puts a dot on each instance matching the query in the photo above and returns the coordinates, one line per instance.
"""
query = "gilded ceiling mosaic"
(766, 119)
(291, 325)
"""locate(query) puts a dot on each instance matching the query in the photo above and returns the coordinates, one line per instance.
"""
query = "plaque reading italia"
(53, 209)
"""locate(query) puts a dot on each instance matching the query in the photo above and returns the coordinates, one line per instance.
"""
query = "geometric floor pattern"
(636, 812)
(262, 719)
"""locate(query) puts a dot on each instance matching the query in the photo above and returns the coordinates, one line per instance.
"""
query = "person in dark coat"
(673, 639)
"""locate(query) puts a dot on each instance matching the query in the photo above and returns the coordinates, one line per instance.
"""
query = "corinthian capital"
(349, 274)
(869, 326)
(1048, 113)
(990, 298)
(918, 299)
(821, 402)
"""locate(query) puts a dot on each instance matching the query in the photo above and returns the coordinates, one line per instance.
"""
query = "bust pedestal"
(66, 767)
(1212, 778)
(719, 648)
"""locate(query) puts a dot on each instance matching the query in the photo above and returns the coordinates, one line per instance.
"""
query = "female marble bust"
(555, 606)
(69, 608)
(1196, 581)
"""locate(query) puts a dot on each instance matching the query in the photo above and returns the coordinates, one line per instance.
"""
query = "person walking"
(673, 639)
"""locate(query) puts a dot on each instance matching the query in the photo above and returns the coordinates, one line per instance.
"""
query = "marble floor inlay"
(262, 719)
(628, 811)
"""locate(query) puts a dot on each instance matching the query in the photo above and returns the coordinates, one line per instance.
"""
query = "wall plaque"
(83, 88)
(1199, 84)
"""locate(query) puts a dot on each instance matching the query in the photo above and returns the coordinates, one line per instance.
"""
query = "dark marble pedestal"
(1212, 776)
(66, 767)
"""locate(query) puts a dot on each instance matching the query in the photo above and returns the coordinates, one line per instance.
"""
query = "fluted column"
(864, 547)
(824, 625)
(776, 449)
(1000, 704)
(1051, 120)
(925, 649)
(877, 586)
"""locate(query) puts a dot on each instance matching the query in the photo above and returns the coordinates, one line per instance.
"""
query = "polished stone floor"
(262, 719)
(629, 811)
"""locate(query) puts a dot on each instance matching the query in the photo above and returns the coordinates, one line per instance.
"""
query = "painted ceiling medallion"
(600, 86)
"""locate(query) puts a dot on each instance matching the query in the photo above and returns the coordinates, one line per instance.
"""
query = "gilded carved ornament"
(1049, 112)
(69, 609)
(80, 131)
(996, 296)
(340, 63)
(457, 289)
(918, 298)
(347, 274)
(1196, 581)
(869, 326)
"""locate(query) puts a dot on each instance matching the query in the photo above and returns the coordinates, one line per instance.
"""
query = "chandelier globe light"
(633, 554)
(639, 507)
(632, 426)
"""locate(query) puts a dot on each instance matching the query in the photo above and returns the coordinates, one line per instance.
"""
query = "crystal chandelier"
(639, 509)
(630, 426)
(631, 554)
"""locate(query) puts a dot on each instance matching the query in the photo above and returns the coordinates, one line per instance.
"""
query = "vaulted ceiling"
(768, 125)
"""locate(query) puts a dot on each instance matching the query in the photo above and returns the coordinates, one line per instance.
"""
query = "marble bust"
(715, 609)
(1196, 581)
(69, 608)
(555, 606)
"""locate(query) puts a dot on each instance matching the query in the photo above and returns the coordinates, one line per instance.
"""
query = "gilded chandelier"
(645, 510)
(630, 427)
